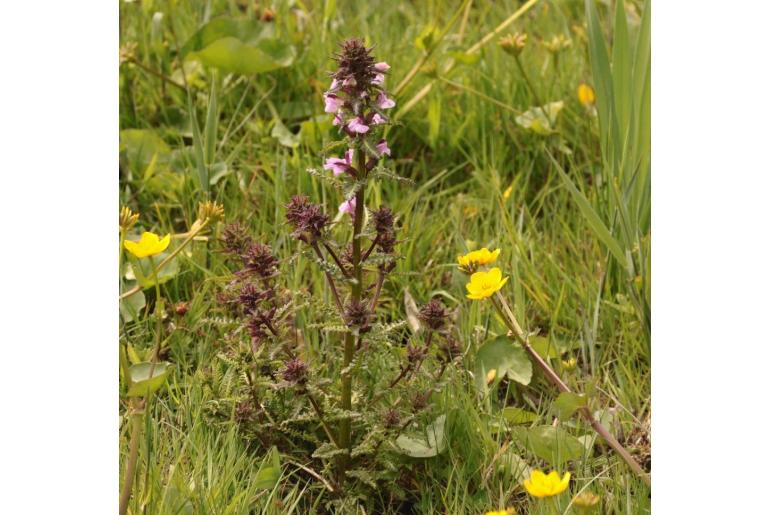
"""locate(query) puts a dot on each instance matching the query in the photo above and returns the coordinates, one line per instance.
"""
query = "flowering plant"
(353, 401)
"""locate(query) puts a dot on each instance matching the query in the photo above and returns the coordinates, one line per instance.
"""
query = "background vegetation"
(566, 196)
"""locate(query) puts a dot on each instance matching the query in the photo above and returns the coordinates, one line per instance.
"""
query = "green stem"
(347, 380)
(133, 455)
(500, 304)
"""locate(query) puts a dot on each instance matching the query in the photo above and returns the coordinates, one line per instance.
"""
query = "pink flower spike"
(333, 103)
(377, 120)
(382, 67)
(378, 79)
(383, 102)
(349, 207)
(356, 125)
(382, 148)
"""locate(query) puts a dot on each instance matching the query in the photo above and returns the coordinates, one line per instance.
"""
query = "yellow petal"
(495, 275)
(163, 243)
(494, 255)
(564, 482)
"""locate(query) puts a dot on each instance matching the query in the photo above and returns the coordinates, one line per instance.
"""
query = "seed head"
(433, 314)
(357, 315)
(387, 242)
(259, 259)
(392, 418)
(127, 218)
(513, 43)
(295, 371)
(210, 211)
(308, 219)
(235, 239)
(383, 220)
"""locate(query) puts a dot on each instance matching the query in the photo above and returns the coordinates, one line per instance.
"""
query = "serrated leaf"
(142, 383)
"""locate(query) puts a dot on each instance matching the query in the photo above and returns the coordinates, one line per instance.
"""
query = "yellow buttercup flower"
(484, 284)
(569, 364)
(472, 260)
(586, 95)
(539, 485)
(509, 511)
(507, 192)
(148, 245)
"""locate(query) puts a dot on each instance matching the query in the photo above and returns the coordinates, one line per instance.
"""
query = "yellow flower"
(586, 95)
(539, 485)
(148, 245)
(585, 500)
(484, 284)
(472, 260)
(509, 511)
(491, 375)
(507, 192)
(569, 364)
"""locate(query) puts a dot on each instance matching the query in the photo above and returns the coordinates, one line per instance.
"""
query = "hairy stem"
(330, 280)
(515, 330)
(347, 380)
(336, 259)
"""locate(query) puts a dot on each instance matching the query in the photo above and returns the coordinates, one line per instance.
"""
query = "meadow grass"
(479, 179)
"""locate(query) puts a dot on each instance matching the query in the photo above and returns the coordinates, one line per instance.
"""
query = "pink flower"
(382, 148)
(357, 125)
(383, 102)
(349, 207)
(337, 120)
(335, 85)
(350, 81)
(382, 67)
(339, 166)
(378, 79)
(333, 103)
(377, 120)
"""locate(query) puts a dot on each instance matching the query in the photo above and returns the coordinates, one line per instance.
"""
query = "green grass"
(460, 144)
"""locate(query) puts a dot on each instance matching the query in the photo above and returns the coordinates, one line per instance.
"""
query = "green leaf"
(516, 415)
(269, 471)
(545, 347)
(130, 307)
(549, 443)
(424, 446)
(427, 38)
(233, 56)
(284, 136)
(464, 57)
(143, 151)
(311, 131)
(142, 384)
(593, 219)
(506, 357)
(567, 403)
(513, 466)
(540, 120)
(142, 269)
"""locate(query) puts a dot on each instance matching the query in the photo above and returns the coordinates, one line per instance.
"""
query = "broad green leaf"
(142, 269)
(231, 55)
(131, 307)
(269, 471)
(284, 136)
(504, 356)
(142, 383)
(247, 30)
(143, 151)
(426, 445)
(513, 466)
(546, 347)
(465, 58)
(549, 443)
(516, 415)
(541, 120)
(567, 403)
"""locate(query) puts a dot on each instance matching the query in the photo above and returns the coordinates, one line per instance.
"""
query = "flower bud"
(513, 43)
